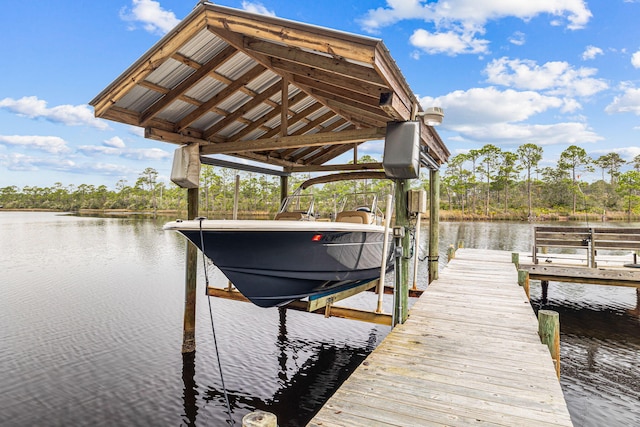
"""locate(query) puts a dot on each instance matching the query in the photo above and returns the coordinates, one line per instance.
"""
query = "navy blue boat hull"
(272, 268)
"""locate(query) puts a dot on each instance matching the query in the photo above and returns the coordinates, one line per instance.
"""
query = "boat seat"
(356, 217)
(293, 216)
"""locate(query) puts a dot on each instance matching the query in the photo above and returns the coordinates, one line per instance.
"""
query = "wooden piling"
(259, 419)
(401, 303)
(549, 331)
(545, 289)
(515, 258)
(451, 253)
(434, 223)
(523, 280)
(191, 268)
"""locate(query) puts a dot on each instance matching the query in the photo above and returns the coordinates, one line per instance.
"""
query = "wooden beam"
(324, 138)
(342, 312)
(289, 33)
(219, 97)
(596, 276)
(190, 81)
(284, 108)
(316, 123)
(327, 155)
(173, 137)
(330, 298)
(297, 117)
(265, 118)
(392, 105)
(329, 77)
(333, 64)
(336, 168)
(250, 105)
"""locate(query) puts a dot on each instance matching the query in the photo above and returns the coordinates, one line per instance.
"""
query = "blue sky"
(550, 72)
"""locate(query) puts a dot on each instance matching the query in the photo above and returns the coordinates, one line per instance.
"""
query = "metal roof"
(265, 89)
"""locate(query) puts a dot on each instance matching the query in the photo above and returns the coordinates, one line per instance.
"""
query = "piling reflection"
(190, 389)
(302, 388)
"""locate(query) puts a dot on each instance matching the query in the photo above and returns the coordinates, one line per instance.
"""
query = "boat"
(295, 255)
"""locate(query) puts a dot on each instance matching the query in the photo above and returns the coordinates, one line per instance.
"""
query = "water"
(91, 330)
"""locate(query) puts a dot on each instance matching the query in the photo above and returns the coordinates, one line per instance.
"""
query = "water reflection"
(309, 373)
(91, 333)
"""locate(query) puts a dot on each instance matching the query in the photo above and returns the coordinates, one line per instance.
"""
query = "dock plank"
(469, 354)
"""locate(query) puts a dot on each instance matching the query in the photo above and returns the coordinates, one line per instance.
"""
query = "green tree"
(629, 188)
(488, 168)
(574, 159)
(507, 174)
(529, 155)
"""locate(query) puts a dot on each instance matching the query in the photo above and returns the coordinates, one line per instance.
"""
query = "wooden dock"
(469, 354)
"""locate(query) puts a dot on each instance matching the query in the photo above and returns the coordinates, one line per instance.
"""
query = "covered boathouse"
(286, 94)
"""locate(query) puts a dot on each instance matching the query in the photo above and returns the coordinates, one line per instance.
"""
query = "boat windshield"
(297, 207)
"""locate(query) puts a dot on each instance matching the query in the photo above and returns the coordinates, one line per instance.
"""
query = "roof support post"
(189, 325)
(434, 223)
(401, 300)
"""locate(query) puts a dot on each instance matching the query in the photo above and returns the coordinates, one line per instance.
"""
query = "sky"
(550, 72)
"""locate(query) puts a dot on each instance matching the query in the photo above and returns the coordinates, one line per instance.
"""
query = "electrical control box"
(402, 150)
(185, 171)
(417, 201)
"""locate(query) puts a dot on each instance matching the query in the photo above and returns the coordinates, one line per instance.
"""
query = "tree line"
(483, 183)
(489, 181)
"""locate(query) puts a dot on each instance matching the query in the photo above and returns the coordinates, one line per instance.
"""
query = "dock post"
(401, 303)
(434, 223)
(451, 253)
(460, 244)
(549, 331)
(259, 419)
(523, 280)
(515, 258)
(191, 268)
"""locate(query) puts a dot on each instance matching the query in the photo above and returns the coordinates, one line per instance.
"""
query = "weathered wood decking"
(468, 355)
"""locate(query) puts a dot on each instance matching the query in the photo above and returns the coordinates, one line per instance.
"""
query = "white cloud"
(124, 152)
(70, 115)
(115, 142)
(488, 115)
(22, 162)
(50, 144)
(518, 38)
(467, 18)
(258, 8)
(591, 52)
(151, 15)
(482, 106)
(628, 102)
(450, 43)
(554, 78)
(635, 59)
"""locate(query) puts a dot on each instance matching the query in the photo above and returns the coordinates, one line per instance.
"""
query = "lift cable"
(213, 329)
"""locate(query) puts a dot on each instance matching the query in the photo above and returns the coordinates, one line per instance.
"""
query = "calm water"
(91, 329)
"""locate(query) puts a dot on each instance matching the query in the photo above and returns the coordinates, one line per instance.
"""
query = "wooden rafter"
(325, 138)
(230, 118)
(200, 73)
(332, 64)
(219, 97)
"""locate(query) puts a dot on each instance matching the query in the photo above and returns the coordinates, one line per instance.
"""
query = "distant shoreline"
(450, 216)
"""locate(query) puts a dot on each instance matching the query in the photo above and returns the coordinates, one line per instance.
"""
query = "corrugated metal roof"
(218, 78)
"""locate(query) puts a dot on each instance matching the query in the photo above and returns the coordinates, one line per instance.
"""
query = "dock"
(469, 354)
